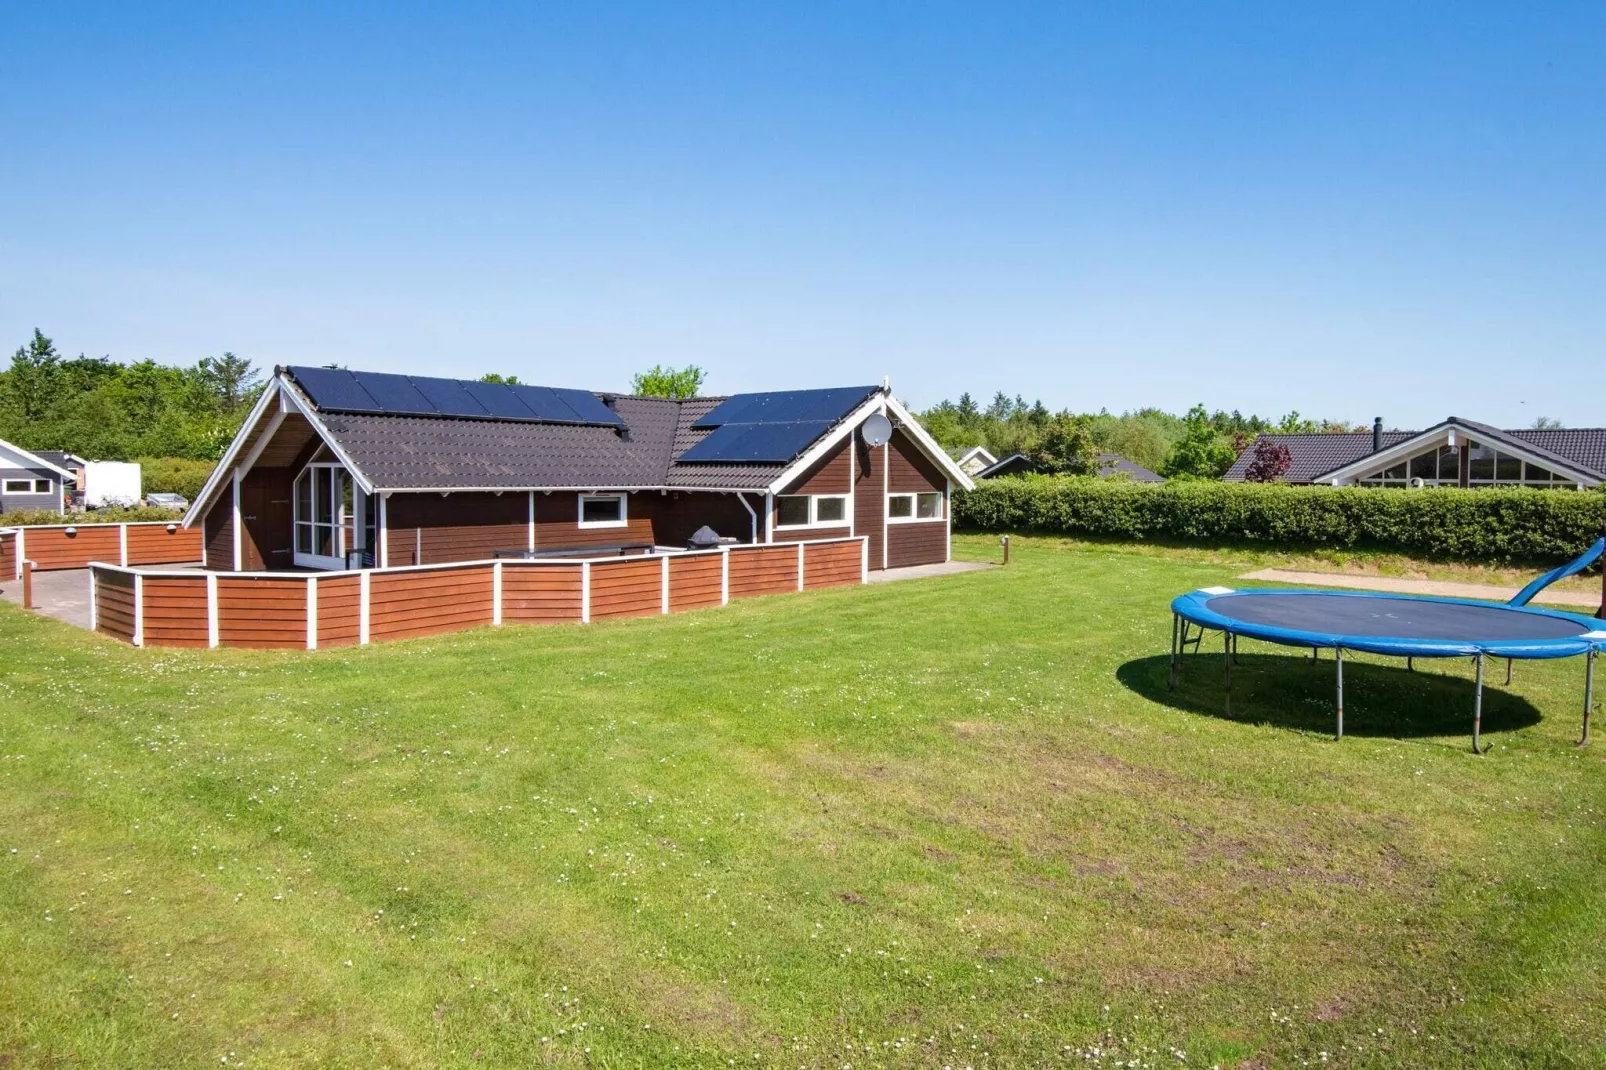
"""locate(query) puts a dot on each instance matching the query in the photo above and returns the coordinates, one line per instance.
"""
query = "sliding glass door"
(329, 515)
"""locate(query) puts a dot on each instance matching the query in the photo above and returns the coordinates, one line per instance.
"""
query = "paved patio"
(921, 572)
(63, 595)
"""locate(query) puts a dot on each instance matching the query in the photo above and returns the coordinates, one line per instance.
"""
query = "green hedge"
(138, 514)
(1494, 525)
(174, 475)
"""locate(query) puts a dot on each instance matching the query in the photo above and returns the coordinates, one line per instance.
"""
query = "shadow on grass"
(1292, 691)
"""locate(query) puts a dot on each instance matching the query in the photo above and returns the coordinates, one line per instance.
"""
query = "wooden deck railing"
(149, 607)
(58, 546)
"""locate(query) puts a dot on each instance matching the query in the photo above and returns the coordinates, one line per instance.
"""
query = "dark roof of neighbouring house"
(1109, 464)
(1314, 455)
(59, 458)
(402, 452)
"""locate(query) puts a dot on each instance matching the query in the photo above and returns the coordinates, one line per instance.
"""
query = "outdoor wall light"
(172, 528)
(71, 531)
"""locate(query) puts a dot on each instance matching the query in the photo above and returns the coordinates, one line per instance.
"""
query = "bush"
(1514, 525)
(21, 518)
(174, 475)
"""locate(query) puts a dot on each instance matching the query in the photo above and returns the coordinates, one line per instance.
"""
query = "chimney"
(1377, 433)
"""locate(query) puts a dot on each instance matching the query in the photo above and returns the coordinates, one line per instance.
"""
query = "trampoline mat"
(1392, 617)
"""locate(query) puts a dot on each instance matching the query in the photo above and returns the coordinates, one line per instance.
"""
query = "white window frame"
(624, 511)
(914, 516)
(18, 486)
(814, 520)
(337, 517)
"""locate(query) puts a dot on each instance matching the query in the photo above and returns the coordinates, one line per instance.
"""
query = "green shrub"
(174, 475)
(19, 518)
(1505, 525)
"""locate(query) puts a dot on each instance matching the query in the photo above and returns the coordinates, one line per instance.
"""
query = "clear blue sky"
(1394, 209)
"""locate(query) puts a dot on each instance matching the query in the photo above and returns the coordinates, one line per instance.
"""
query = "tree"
(496, 377)
(1202, 453)
(1066, 447)
(1268, 461)
(661, 381)
(1547, 423)
(233, 380)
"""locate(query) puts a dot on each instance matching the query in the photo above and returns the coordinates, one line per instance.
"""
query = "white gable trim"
(928, 445)
(1448, 434)
(32, 460)
(198, 508)
(814, 454)
(311, 415)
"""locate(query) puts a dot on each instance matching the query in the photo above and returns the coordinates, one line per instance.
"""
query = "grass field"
(940, 823)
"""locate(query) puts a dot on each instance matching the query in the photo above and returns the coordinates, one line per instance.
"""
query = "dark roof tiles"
(1315, 455)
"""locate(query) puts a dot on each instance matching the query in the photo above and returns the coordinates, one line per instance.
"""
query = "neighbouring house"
(72, 463)
(1452, 453)
(31, 481)
(1110, 464)
(972, 459)
(334, 467)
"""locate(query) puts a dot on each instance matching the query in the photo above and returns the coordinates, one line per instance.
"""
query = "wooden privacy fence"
(57, 546)
(289, 611)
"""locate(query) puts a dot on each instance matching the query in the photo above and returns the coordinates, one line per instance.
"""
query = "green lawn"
(940, 823)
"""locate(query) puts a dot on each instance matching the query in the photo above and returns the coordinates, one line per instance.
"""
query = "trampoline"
(1408, 626)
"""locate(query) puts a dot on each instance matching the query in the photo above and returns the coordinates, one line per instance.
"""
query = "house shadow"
(1295, 692)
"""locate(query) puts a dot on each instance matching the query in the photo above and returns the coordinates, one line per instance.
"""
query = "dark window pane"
(901, 505)
(831, 510)
(601, 510)
(1507, 469)
(792, 509)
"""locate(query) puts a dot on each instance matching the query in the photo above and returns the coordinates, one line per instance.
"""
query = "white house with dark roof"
(29, 480)
(1453, 453)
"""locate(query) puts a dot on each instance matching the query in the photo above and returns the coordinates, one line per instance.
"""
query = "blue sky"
(1373, 209)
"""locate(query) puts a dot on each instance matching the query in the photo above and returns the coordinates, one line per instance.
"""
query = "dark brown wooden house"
(337, 469)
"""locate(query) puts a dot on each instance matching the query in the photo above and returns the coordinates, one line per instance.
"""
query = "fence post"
(122, 545)
(725, 576)
(139, 610)
(800, 565)
(363, 585)
(22, 551)
(663, 584)
(94, 603)
(27, 585)
(312, 613)
(211, 609)
(585, 592)
(864, 559)
(496, 593)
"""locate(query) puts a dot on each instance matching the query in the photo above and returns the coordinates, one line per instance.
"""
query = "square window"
(900, 506)
(41, 486)
(830, 510)
(602, 511)
(792, 510)
(928, 507)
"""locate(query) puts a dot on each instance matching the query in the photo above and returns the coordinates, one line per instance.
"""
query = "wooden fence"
(57, 546)
(326, 609)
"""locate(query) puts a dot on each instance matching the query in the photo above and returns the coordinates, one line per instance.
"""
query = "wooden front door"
(267, 515)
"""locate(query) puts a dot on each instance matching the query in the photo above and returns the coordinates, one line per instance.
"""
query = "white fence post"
(800, 565)
(663, 583)
(211, 609)
(22, 551)
(94, 609)
(725, 577)
(312, 613)
(362, 608)
(585, 592)
(496, 593)
(139, 610)
(122, 545)
(864, 559)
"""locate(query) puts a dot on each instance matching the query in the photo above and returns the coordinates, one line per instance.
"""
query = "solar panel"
(333, 388)
(545, 404)
(785, 406)
(499, 400)
(395, 394)
(449, 396)
(748, 443)
(588, 407)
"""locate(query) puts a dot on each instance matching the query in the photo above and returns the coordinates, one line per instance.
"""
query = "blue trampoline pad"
(1402, 625)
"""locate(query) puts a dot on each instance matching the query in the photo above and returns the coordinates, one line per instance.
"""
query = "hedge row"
(1531, 527)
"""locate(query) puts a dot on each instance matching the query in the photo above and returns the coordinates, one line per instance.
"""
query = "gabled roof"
(1322, 457)
(31, 460)
(60, 458)
(1109, 465)
(628, 443)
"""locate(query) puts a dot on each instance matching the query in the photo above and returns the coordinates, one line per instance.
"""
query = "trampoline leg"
(1589, 695)
(1410, 665)
(1226, 657)
(1508, 672)
(1235, 649)
(1338, 653)
(1477, 711)
(1171, 685)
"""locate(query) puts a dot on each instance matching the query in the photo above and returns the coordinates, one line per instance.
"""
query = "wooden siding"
(114, 604)
(557, 524)
(427, 529)
(8, 555)
(811, 534)
(765, 570)
(909, 469)
(402, 604)
(676, 515)
(174, 610)
(695, 581)
(836, 564)
(339, 610)
(832, 474)
(52, 547)
(869, 497)
(267, 612)
(540, 594)
(923, 542)
(218, 535)
(627, 588)
(153, 544)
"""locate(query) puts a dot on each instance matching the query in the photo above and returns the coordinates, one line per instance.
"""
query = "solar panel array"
(773, 427)
(338, 390)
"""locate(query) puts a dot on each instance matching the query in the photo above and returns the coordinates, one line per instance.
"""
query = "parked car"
(164, 500)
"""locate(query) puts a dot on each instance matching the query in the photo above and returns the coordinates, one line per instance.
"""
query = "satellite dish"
(876, 429)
